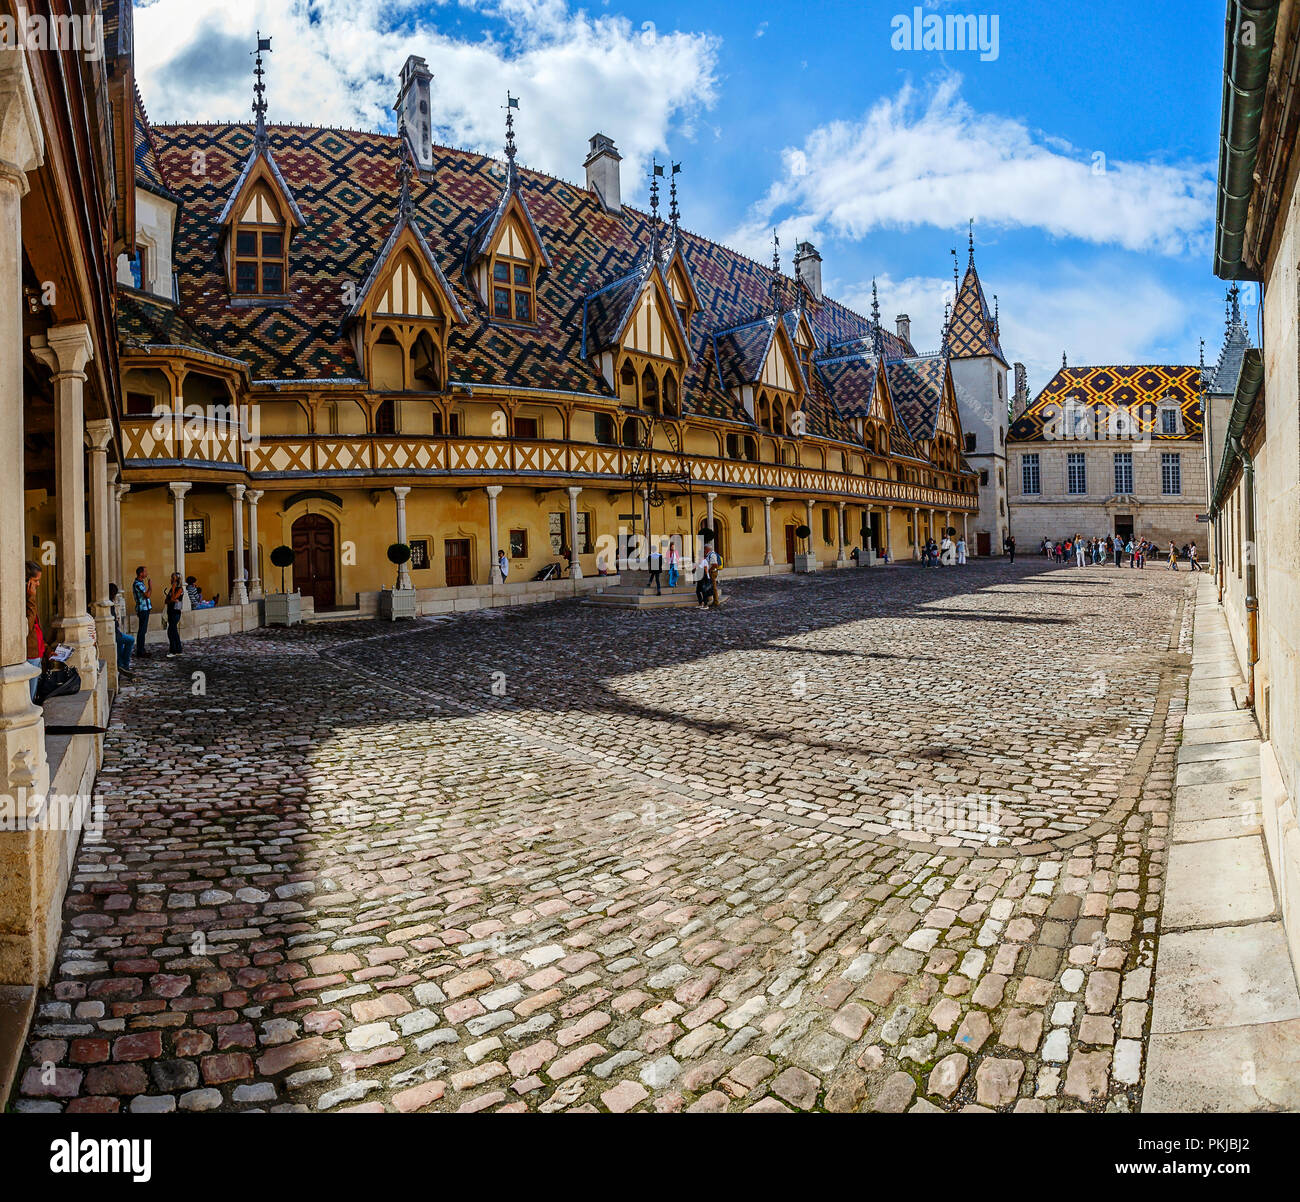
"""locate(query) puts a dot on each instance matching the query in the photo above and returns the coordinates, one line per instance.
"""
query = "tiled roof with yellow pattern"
(1137, 388)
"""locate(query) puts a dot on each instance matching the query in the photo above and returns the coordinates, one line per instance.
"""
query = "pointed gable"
(760, 353)
(261, 190)
(917, 386)
(508, 231)
(973, 331)
(406, 281)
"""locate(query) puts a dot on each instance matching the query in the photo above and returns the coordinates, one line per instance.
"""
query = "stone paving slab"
(1226, 1070)
(855, 843)
(1219, 881)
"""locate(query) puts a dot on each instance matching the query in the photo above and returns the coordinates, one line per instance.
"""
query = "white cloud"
(914, 160)
(1105, 313)
(336, 62)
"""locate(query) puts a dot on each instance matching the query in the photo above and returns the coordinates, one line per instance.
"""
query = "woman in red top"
(36, 648)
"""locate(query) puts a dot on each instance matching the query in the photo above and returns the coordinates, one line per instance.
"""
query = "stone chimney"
(809, 263)
(412, 108)
(602, 172)
(1020, 400)
(903, 324)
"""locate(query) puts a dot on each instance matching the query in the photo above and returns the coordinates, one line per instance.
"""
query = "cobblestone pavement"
(875, 840)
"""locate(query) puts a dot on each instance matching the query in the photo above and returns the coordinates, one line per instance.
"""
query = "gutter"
(1249, 34)
(1249, 384)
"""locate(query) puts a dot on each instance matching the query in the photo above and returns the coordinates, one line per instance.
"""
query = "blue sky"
(1085, 150)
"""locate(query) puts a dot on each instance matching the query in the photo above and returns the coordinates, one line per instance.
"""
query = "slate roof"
(741, 352)
(345, 184)
(1222, 377)
(147, 320)
(1135, 387)
(148, 174)
(972, 331)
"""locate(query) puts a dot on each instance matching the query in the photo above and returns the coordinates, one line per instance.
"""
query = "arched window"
(671, 406)
(650, 389)
(386, 418)
(631, 432)
(627, 391)
(426, 365)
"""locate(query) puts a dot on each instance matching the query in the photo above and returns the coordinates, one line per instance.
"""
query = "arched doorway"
(313, 559)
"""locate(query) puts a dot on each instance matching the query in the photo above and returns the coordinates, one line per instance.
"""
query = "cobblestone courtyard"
(872, 840)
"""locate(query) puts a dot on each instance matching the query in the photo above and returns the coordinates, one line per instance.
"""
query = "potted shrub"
(399, 601)
(283, 608)
(805, 560)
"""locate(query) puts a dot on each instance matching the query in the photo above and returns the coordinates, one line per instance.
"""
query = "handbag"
(58, 680)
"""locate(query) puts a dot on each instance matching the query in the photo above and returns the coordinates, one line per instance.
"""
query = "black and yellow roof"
(1137, 388)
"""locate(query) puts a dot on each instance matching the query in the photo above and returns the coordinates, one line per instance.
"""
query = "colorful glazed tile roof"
(345, 183)
(973, 332)
(916, 388)
(1136, 388)
(147, 173)
(145, 320)
(742, 352)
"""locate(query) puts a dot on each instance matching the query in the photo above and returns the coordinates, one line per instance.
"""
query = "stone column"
(238, 589)
(575, 568)
(178, 492)
(768, 559)
(24, 772)
(841, 559)
(916, 532)
(494, 572)
(889, 533)
(965, 535)
(808, 521)
(400, 493)
(255, 592)
(98, 435)
(66, 350)
(709, 498)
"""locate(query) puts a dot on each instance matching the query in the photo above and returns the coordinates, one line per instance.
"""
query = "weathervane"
(259, 88)
(877, 335)
(512, 103)
(970, 241)
(673, 212)
(776, 272)
(956, 283)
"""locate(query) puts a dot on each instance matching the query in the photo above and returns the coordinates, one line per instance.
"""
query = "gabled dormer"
(404, 311)
(506, 255)
(681, 284)
(632, 331)
(759, 366)
(260, 218)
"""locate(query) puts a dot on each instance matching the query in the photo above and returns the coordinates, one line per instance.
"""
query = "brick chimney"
(602, 172)
(903, 324)
(412, 108)
(809, 263)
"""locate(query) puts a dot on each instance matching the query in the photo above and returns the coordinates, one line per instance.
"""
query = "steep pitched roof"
(972, 331)
(1222, 378)
(406, 222)
(916, 385)
(741, 352)
(1136, 388)
(481, 239)
(851, 382)
(260, 151)
(145, 320)
(343, 183)
(148, 173)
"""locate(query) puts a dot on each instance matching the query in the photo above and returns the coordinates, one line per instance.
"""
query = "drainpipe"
(1252, 598)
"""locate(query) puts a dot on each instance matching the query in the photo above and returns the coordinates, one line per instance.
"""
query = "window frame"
(513, 289)
(259, 259)
(1171, 469)
(517, 540)
(1076, 474)
(1031, 475)
(1123, 473)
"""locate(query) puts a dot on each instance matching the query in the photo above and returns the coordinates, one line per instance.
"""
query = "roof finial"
(776, 272)
(1202, 356)
(405, 205)
(970, 242)
(947, 319)
(956, 282)
(1234, 305)
(673, 212)
(1064, 364)
(877, 335)
(512, 103)
(997, 317)
(259, 89)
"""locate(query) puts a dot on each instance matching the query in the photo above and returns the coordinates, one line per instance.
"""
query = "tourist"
(947, 551)
(503, 565)
(1173, 556)
(1046, 549)
(196, 594)
(174, 606)
(704, 581)
(656, 567)
(142, 594)
(961, 552)
(674, 563)
(124, 641)
(1192, 558)
(37, 651)
(1119, 551)
(1009, 546)
(1078, 551)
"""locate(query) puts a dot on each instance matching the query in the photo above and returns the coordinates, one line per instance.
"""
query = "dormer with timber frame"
(758, 364)
(257, 227)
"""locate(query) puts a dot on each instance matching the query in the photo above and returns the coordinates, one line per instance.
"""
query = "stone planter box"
(283, 609)
(806, 563)
(396, 603)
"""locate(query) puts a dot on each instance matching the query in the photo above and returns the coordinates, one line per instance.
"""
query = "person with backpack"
(174, 601)
(142, 594)
(705, 590)
(655, 567)
(37, 650)
(124, 642)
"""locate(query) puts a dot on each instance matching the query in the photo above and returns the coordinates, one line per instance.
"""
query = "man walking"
(1191, 555)
(704, 582)
(503, 566)
(142, 593)
(656, 568)
(1009, 546)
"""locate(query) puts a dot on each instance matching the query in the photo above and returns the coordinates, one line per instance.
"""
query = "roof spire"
(970, 242)
(1234, 305)
(656, 174)
(956, 283)
(405, 205)
(1064, 364)
(776, 272)
(259, 89)
(997, 317)
(877, 334)
(947, 320)
(1202, 356)
(674, 212)
(512, 103)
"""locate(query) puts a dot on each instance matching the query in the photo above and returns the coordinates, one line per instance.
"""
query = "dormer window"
(261, 267)
(512, 289)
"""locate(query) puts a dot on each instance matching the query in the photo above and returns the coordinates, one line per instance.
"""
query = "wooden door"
(983, 543)
(313, 559)
(457, 562)
(790, 543)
